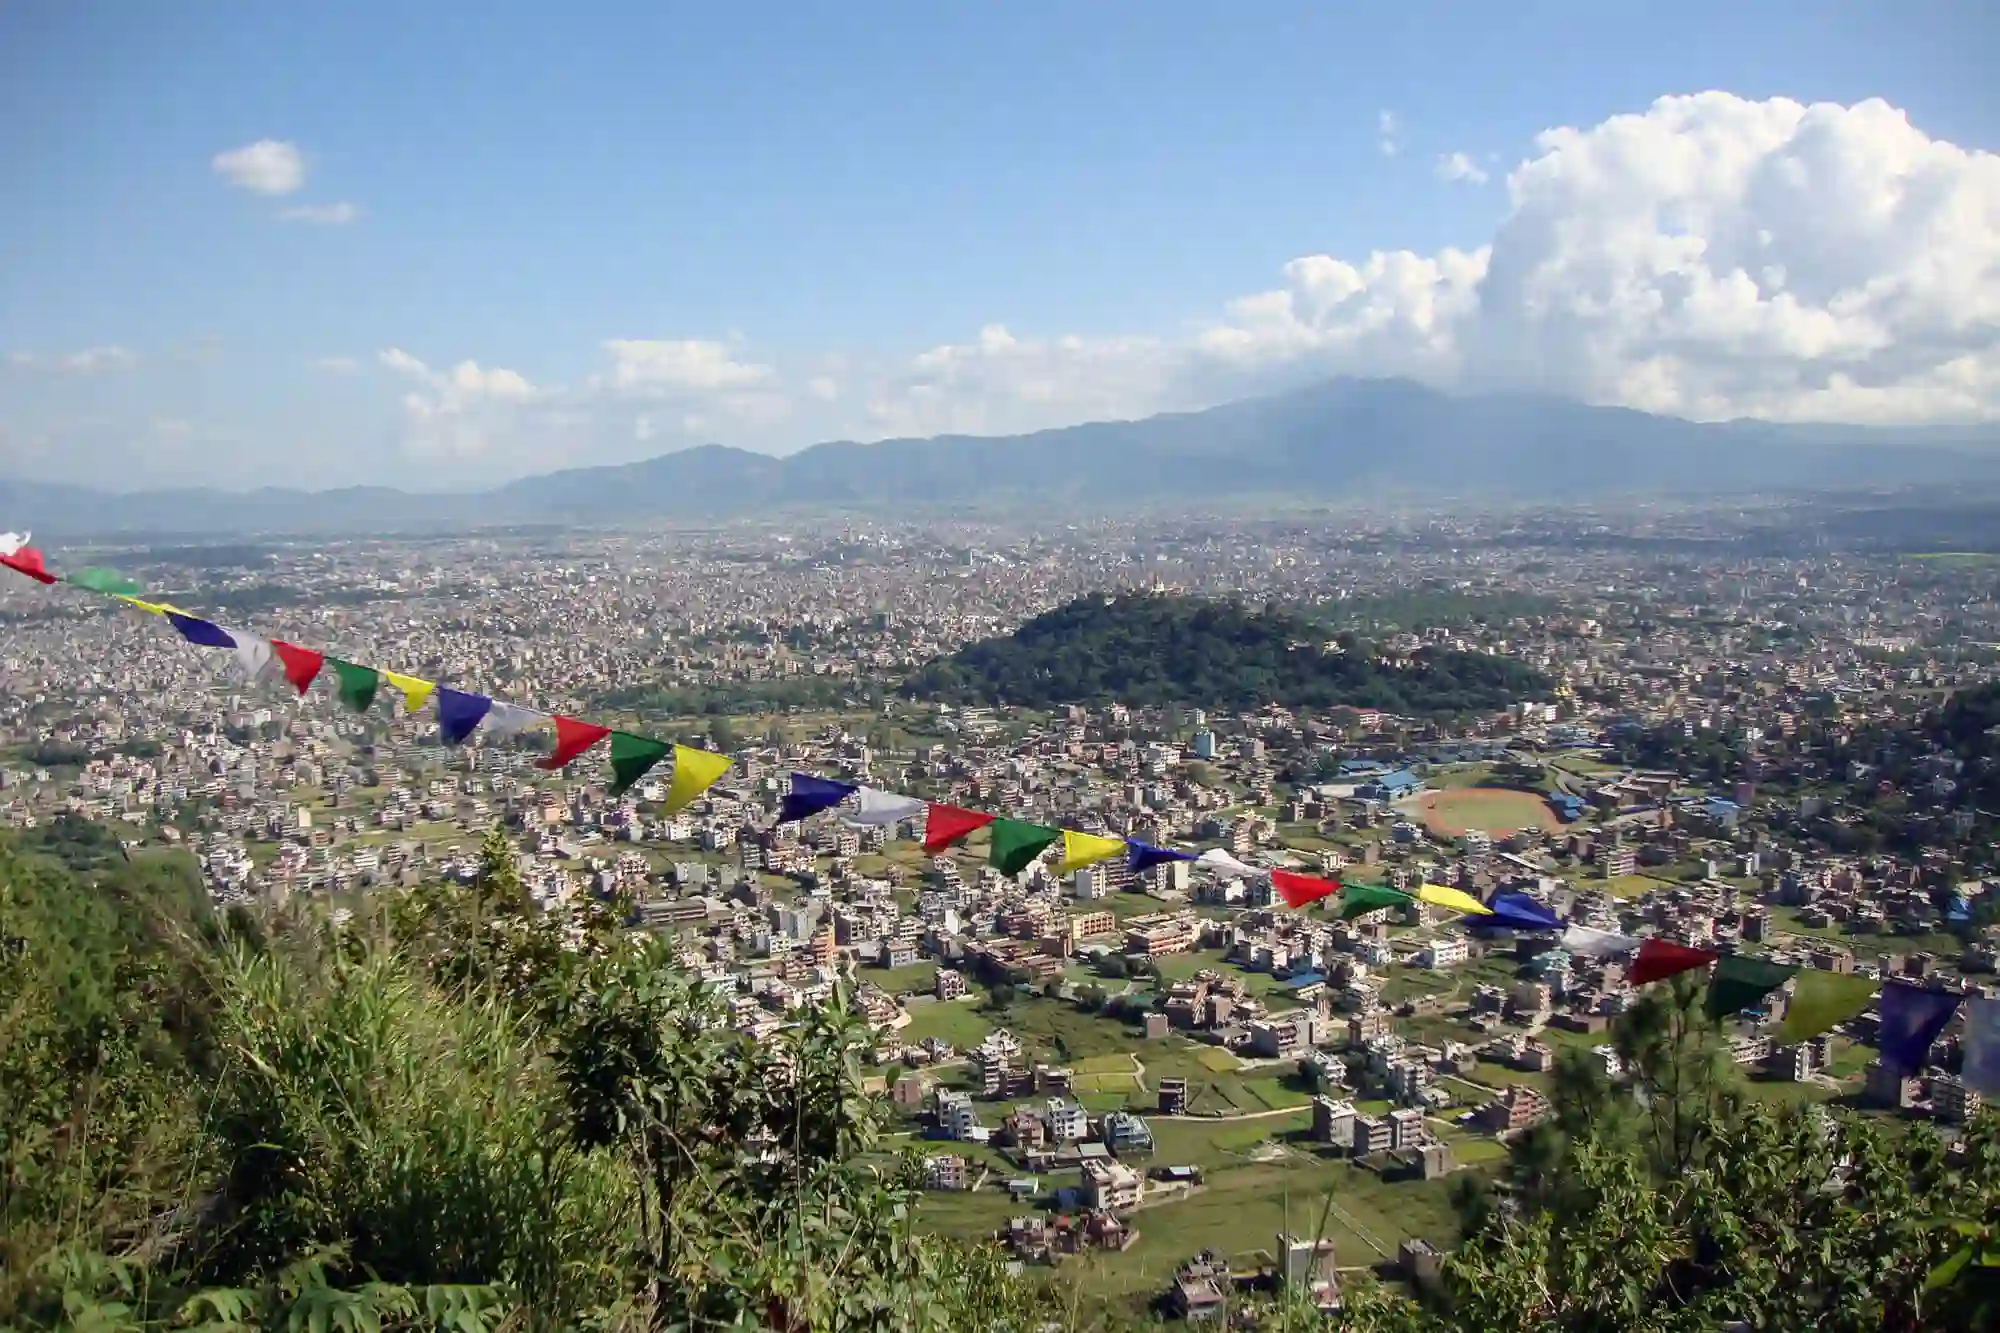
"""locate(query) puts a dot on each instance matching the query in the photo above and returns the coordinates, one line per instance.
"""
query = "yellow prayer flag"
(415, 692)
(151, 608)
(695, 771)
(1459, 901)
(1082, 849)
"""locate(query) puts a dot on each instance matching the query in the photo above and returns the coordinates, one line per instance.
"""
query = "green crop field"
(956, 1021)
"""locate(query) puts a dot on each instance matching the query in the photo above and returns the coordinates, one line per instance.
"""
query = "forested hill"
(1153, 650)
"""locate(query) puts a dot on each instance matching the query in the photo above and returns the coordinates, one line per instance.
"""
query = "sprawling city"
(1162, 1079)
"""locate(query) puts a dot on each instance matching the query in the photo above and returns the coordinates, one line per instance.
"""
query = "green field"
(956, 1021)
(916, 979)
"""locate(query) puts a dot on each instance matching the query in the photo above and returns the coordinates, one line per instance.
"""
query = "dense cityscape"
(1154, 1074)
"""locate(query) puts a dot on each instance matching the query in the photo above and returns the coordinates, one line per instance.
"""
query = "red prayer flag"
(301, 664)
(1297, 890)
(1657, 960)
(572, 739)
(27, 560)
(946, 824)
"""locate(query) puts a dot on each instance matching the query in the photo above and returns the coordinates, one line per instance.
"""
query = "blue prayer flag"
(200, 632)
(1144, 855)
(810, 795)
(1517, 911)
(460, 713)
(1912, 1018)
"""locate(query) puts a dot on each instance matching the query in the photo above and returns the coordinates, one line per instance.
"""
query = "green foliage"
(1157, 650)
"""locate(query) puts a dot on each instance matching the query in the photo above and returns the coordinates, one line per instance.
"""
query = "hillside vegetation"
(1154, 650)
(450, 1111)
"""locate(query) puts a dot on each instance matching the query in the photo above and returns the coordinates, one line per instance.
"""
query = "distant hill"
(1341, 439)
(1154, 650)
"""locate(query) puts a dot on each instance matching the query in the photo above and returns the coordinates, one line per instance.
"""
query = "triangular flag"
(1016, 843)
(573, 737)
(1982, 1046)
(253, 654)
(1439, 895)
(150, 608)
(459, 713)
(1083, 849)
(1298, 890)
(810, 795)
(874, 807)
(1219, 860)
(1517, 911)
(1823, 1000)
(201, 633)
(1912, 1018)
(1739, 982)
(415, 692)
(1659, 960)
(108, 581)
(695, 771)
(1589, 943)
(357, 683)
(1361, 899)
(11, 542)
(631, 756)
(302, 665)
(946, 824)
(1143, 856)
(27, 560)
(505, 719)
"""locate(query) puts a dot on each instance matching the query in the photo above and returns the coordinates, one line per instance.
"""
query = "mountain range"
(1339, 440)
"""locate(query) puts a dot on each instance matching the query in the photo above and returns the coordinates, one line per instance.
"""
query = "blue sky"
(818, 195)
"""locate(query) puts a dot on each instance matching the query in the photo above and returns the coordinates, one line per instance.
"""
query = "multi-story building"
(1068, 1122)
(1406, 1128)
(1127, 1134)
(1173, 1096)
(946, 1171)
(1333, 1122)
(1952, 1101)
(1111, 1186)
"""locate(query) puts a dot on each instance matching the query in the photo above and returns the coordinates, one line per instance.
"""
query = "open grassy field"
(1631, 886)
(956, 1021)
(1497, 810)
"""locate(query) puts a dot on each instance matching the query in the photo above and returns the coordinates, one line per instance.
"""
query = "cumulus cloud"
(1459, 167)
(456, 413)
(88, 361)
(643, 364)
(322, 215)
(1388, 133)
(269, 166)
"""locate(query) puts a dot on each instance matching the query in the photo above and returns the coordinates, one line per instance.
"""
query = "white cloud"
(1388, 133)
(1459, 167)
(324, 215)
(269, 166)
(650, 365)
(457, 413)
(89, 361)
(339, 365)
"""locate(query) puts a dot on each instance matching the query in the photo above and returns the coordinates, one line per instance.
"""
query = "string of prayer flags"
(1142, 856)
(150, 608)
(1361, 899)
(1739, 982)
(1517, 911)
(1982, 1046)
(876, 808)
(459, 713)
(302, 665)
(1016, 844)
(1440, 895)
(415, 692)
(1298, 890)
(631, 756)
(946, 824)
(1659, 959)
(1085, 849)
(201, 633)
(24, 559)
(573, 737)
(810, 795)
(1589, 943)
(1821, 1001)
(355, 684)
(1912, 1018)
(695, 771)
(108, 581)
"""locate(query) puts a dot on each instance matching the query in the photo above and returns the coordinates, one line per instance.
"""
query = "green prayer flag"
(631, 756)
(1016, 844)
(1739, 982)
(108, 581)
(1360, 899)
(357, 683)
(1823, 1000)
